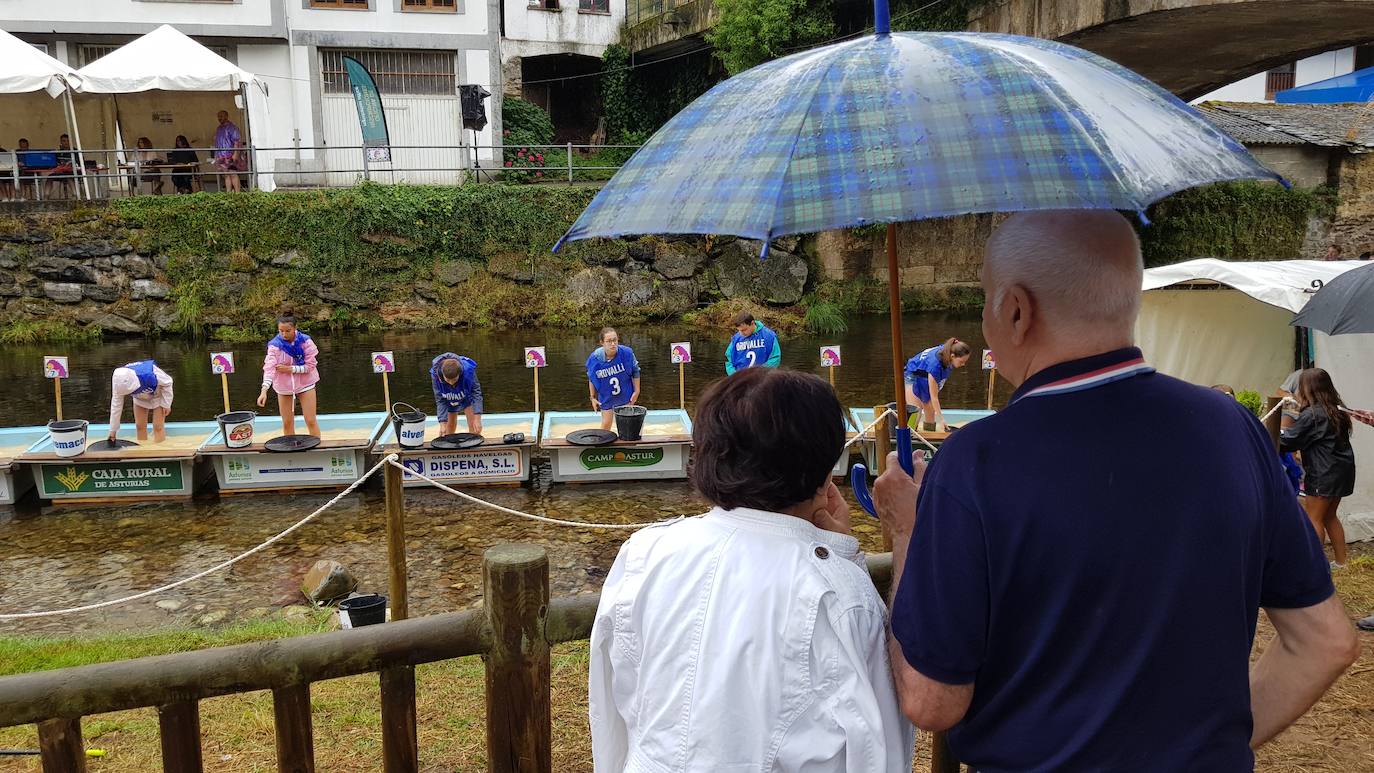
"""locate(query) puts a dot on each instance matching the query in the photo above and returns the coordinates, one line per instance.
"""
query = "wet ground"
(68, 556)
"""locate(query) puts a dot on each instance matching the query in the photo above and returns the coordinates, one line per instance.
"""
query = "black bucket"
(364, 610)
(629, 421)
(409, 426)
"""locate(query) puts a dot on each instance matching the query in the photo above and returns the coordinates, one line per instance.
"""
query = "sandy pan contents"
(654, 426)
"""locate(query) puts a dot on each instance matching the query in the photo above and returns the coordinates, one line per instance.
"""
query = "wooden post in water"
(1274, 421)
(536, 391)
(941, 758)
(57, 392)
(515, 585)
(295, 737)
(179, 729)
(400, 747)
(992, 385)
(224, 382)
(882, 445)
(59, 740)
(386, 395)
(396, 543)
(682, 386)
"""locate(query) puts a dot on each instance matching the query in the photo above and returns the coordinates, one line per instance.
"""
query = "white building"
(419, 52)
(550, 51)
(1261, 87)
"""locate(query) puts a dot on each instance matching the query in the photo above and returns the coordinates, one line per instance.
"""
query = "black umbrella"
(1343, 305)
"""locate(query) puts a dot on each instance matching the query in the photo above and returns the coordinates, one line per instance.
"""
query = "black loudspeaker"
(474, 111)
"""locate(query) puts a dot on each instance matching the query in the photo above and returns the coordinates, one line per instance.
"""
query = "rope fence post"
(396, 543)
(515, 586)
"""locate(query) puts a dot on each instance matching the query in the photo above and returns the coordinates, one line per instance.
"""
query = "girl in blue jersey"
(926, 374)
(151, 390)
(612, 376)
(456, 390)
(752, 345)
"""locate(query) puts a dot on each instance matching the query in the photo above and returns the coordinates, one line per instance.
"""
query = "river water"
(53, 557)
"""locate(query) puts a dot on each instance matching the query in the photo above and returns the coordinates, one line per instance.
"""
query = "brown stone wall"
(1306, 166)
(931, 253)
(1353, 226)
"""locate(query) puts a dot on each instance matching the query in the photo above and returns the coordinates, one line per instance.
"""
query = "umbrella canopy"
(910, 126)
(1343, 305)
(24, 68)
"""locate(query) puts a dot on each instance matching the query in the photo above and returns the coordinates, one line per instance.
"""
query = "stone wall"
(1353, 225)
(942, 253)
(1306, 166)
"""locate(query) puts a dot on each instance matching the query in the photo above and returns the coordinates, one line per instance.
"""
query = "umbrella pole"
(894, 303)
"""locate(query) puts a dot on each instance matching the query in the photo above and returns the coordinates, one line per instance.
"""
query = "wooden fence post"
(882, 445)
(941, 758)
(400, 747)
(515, 586)
(179, 730)
(295, 736)
(59, 740)
(396, 543)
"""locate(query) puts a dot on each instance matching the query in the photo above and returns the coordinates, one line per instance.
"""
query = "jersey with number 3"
(613, 379)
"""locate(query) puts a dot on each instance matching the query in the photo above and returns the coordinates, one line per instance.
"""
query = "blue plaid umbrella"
(909, 126)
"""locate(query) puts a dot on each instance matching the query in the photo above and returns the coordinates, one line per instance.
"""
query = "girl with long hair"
(289, 369)
(1322, 435)
(926, 374)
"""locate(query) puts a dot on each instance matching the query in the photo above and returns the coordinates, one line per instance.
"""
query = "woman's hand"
(262, 398)
(596, 404)
(283, 368)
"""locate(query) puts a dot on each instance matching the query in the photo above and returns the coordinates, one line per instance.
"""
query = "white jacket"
(742, 641)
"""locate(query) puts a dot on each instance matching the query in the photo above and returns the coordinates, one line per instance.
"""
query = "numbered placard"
(989, 362)
(221, 363)
(682, 352)
(55, 367)
(830, 357)
(534, 357)
(383, 362)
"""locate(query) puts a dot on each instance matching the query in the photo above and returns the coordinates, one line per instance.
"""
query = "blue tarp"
(1357, 86)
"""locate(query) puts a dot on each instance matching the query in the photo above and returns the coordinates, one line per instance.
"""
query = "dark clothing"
(1328, 461)
(1100, 591)
(183, 157)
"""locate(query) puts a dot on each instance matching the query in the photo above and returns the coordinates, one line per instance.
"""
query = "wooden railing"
(514, 630)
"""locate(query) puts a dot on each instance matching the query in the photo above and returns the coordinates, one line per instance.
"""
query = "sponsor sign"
(309, 467)
(6, 491)
(534, 357)
(619, 458)
(55, 367)
(66, 479)
(494, 464)
(830, 356)
(383, 362)
(682, 353)
(989, 362)
(222, 363)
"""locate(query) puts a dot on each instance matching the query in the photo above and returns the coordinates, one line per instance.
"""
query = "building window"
(594, 6)
(85, 54)
(545, 5)
(396, 72)
(1364, 56)
(442, 6)
(357, 5)
(1279, 79)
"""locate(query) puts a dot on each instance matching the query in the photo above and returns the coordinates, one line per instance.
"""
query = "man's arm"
(929, 704)
(1314, 646)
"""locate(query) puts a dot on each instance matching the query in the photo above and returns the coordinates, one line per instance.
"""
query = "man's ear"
(1018, 313)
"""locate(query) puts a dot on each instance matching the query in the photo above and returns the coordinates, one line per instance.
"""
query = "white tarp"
(166, 59)
(1217, 322)
(24, 69)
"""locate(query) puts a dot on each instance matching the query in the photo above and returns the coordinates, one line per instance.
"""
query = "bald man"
(1079, 579)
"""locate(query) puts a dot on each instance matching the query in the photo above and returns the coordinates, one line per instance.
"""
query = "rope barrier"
(869, 428)
(1276, 408)
(531, 516)
(222, 565)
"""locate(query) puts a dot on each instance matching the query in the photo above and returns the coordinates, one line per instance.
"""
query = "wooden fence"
(513, 631)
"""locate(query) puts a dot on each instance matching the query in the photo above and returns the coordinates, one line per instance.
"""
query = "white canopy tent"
(1212, 321)
(25, 70)
(167, 60)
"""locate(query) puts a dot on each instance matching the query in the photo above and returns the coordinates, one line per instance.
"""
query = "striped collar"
(1087, 373)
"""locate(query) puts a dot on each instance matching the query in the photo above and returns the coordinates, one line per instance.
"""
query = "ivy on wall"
(1236, 221)
(637, 100)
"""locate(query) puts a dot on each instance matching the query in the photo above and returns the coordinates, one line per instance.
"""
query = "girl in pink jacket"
(289, 369)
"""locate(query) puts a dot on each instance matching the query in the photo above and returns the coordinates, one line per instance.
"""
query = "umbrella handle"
(858, 477)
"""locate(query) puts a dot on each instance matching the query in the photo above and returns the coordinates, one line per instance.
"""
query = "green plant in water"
(1251, 400)
(825, 318)
(235, 334)
(48, 331)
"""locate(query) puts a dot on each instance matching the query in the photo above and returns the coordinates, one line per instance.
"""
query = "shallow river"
(63, 556)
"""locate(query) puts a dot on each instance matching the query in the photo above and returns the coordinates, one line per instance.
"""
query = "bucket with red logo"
(237, 428)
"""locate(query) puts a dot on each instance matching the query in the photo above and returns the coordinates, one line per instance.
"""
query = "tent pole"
(79, 160)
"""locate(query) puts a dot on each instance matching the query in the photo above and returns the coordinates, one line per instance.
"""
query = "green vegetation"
(825, 317)
(48, 331)
(638, 100)
(1236, 221)
(1252, 400)
(751, 32)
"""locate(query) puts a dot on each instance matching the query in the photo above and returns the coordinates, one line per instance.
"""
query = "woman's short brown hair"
(766, 439)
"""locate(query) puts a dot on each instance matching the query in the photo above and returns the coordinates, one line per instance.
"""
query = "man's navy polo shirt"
(1092, 559)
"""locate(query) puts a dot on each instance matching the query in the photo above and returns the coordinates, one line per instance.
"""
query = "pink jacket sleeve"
(269, 366)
